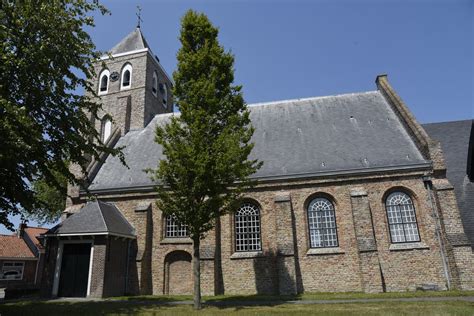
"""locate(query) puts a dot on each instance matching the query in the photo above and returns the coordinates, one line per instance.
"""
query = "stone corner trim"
(358, 192)
(165, 241)
(142, 207)
(325, 251)
(408, 246)
(282, 197)
(246, 255)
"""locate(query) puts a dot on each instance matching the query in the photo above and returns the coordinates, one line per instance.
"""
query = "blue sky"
(296, 49)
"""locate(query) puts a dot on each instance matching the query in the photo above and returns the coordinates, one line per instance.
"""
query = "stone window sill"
(165, 241)
(246, 255)
(324, 251)
(408, 246)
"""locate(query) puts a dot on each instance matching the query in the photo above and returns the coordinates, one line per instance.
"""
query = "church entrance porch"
(75, 265)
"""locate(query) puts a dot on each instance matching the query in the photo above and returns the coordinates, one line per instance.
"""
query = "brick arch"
(178, 273)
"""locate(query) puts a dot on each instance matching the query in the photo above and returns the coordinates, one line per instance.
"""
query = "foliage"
(206, 147)
(45, 119)
(52, 199)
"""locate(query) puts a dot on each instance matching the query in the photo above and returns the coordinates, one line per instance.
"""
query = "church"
(354, 195)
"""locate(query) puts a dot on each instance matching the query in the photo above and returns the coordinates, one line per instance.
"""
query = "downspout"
(37, 267)
(434, 209)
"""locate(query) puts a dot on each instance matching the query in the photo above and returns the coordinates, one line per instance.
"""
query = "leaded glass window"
(247, 228)
(401, 218)
(174, 229)
(322, 223)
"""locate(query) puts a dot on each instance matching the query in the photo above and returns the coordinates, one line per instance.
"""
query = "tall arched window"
(154, 84)
(247, 228)
(322, 223)
(164, 93)
(126, 78)
(401, 218)
(106, 129)
(173, 229)
(104, 82)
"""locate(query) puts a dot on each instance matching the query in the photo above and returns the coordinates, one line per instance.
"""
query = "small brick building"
(353, 196)
(21, 259)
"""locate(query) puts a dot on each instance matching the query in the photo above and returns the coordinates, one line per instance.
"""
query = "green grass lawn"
(305, 296)
(458, 308)
(270, 305)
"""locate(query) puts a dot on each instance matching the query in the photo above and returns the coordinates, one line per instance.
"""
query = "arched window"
(164, 93)
(104, 82)
(106, 129)
(154, 85)
(173, 229)
(401, 218)
(126, 81)
(322, 223)
(247, 228)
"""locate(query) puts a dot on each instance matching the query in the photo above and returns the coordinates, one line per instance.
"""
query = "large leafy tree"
(45, 118)
(208, 144)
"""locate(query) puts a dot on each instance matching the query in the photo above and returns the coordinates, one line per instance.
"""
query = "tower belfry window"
(154, 86)
(104, 82)
(126, 81)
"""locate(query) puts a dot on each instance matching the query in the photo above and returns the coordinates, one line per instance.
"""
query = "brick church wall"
(365, 260)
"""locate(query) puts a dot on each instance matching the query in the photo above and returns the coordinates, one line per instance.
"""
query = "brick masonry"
(365, 260)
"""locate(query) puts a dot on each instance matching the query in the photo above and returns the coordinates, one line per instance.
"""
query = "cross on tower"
(139, 15)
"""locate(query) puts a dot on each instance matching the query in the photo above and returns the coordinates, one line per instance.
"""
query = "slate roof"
(95, 217)
(454, 138)
(11, 246)
(294, 138)
(133, 41)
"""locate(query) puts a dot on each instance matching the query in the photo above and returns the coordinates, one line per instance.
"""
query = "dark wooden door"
(74, 270)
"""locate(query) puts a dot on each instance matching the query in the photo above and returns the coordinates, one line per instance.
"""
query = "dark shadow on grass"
(82, 307)
(239, 302)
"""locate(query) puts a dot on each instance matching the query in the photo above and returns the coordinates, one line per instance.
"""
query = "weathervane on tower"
(139, 16)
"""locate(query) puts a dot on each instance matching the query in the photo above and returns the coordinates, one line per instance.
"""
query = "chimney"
(21, 230)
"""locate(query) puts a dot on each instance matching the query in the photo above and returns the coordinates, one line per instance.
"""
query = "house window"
(247, 228)
(322, 223)
(154, 86)
(401, 218)
(106, 129)
(12, 271)
(104, 82)
(126, 81)
(174, 229)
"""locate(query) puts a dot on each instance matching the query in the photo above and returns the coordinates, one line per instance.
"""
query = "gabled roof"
(33, 233)
(294, 138)
(95, 218)
(455, 138)
(133, 41)
(13, 247)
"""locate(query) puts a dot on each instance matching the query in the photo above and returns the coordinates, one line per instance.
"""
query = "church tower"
(132, 86)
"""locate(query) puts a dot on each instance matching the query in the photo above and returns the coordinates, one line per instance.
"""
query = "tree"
(45, 119)
(52, 199)
(207, 146)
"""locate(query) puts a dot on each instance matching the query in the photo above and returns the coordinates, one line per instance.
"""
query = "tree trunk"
(218, 279)
(197, 274)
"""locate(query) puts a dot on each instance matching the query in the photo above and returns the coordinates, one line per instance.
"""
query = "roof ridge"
(445, 122)
(102, 214)
(312, 98)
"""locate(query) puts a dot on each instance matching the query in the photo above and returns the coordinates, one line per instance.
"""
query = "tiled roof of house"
(33, 233)
(455, 138)
(96, 217)
(11, 246)
(294, 138)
